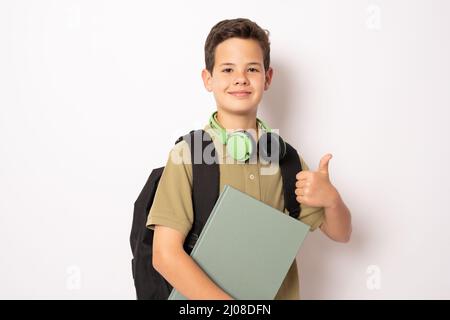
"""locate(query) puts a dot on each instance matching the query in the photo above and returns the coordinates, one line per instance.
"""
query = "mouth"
(240, 93)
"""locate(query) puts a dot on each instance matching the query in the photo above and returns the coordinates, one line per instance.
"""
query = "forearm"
(337, 224)
(183, 273)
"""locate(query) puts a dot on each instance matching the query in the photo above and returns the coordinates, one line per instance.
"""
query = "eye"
(225, 70)
(256, 70)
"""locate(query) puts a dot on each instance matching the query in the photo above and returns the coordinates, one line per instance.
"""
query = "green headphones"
(241, 145)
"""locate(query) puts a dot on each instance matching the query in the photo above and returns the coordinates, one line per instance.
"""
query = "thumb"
(323, 165)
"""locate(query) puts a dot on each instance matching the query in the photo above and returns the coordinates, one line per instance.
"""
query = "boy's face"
(239, 66)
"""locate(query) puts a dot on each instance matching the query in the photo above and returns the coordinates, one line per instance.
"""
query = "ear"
(207, 79)
(269, 74)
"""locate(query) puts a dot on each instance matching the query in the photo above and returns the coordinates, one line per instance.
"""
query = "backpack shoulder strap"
(205, 184)
(205, 181)
(290, 165)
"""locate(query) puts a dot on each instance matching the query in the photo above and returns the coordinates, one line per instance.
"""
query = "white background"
(93, 94)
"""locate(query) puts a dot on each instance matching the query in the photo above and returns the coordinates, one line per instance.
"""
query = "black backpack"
(150, 285)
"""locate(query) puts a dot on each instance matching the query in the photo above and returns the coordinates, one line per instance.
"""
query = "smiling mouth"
(240, 94)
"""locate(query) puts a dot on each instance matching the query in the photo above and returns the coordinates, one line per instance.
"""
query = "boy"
(237, 56)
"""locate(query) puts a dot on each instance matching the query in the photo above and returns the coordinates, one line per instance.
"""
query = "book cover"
(246, 246)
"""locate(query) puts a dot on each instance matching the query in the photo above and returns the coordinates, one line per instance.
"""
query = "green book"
(246, 246)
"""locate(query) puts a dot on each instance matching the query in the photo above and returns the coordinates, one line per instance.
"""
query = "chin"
(239, 107)
(239, 110)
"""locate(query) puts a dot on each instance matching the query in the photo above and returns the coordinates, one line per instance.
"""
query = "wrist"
(335, 202)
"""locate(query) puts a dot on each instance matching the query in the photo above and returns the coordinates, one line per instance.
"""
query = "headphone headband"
(241, 145)
(214, 123)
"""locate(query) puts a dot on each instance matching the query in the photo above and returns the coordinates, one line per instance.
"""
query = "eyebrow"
(232, 64)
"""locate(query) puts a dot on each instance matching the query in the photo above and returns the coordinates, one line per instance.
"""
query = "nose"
(241, 79)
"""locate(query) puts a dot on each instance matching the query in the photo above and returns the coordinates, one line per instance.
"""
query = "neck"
(232, 121)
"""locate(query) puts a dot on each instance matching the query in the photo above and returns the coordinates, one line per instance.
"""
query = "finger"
(302, 191)
(300, 199)
(299, 192)
(303, 175)
(302, 183)
(323, 165)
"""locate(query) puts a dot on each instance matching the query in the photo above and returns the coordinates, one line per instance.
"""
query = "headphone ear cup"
(241, 146)
(271, 144)
(253, 146)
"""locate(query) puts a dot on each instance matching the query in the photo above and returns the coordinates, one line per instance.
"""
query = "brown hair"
(239, 28)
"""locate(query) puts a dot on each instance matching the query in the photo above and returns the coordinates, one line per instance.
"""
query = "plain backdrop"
(93, 95)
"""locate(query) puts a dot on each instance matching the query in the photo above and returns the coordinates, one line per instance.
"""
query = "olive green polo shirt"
(172, 205)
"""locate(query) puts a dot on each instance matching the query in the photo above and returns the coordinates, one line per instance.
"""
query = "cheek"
(221, 83)
(259, 82)
(259, 89)
(218, 85)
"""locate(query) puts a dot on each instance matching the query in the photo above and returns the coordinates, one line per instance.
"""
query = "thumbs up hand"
(313, 188)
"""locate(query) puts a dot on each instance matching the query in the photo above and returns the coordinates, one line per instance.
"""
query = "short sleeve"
(172, 205)
(312, 216)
